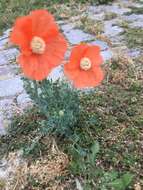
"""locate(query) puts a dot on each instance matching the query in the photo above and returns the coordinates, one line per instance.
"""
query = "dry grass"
(43, 171)
(119, 68)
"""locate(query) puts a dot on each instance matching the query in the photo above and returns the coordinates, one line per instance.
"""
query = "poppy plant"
(42, 45)
(84, 66)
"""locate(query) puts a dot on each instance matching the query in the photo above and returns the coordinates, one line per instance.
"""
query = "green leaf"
(94, 150)
(122, 183)
(127, 179)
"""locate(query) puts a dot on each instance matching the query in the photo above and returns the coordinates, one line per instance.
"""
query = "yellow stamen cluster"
(85, 64)
(38, 45)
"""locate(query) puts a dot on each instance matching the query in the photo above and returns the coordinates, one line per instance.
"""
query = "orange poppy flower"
(84, 66)
(42, 45)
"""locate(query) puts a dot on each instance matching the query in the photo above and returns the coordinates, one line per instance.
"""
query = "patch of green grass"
(133, 37)
(135, 10)
(23, 134)
(110, 15)
(105, 148)
(10, 9)
(110, 120)
(123, 23)
(90, 25)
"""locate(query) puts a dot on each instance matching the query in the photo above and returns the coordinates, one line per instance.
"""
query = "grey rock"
(96, 17)
(103, 45)
(107, 55)
(56, 74)
(11, 87)
(108, 8)
(127, 3)
(8, 55)
(6, 72)
(3, 41)
(75, 36)
(5, 104)
(23, 100)
(4, 38)
(111, 29)
(117, 9)
(133, 17)
(137, 24)
(7, 32)
(8, 107)
(134, 53)
(67, 27)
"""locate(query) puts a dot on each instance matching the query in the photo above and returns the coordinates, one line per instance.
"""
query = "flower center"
(38, 45)
(85, 64)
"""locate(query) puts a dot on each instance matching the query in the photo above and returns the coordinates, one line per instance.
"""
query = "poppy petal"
(93, 53)
(89, 79)
(55, 50)
(22, 33)
(43, 24)
(76, 55)
(40, 24)
(71, 73)
(34, 67)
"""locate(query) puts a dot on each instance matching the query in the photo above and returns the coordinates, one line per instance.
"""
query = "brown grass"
(44, 171)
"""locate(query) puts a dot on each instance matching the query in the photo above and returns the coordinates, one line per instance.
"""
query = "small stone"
(106, 8)
(6, 72)
(11, 87)
(137, 187)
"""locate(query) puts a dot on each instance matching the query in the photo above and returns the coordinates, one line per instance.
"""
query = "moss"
(91, 26)
(110, 15)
